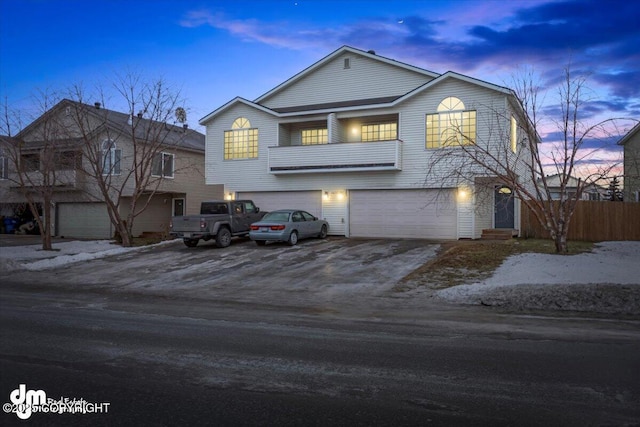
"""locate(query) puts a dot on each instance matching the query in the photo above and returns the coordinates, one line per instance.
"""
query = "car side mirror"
(257, 209)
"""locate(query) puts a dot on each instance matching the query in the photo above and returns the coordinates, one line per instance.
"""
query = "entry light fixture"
(326, 195)
(229, 196)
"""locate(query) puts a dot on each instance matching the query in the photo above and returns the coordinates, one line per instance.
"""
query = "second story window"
(67, 160)
(162, 165)
(451, 126)
(379, 132)
(30, 162)
(4, 166)
(314, 136)
(111, 156)
(514, 134)
(241, 142)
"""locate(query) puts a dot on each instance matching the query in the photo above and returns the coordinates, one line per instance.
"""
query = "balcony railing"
(340, 157)
(63, 180)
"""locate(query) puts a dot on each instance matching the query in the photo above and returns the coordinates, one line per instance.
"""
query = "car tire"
(293, 238)
(223, 238)
(323, 232)
(260, 242)
(191, 243)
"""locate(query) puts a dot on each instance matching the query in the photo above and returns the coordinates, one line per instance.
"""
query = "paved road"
(180, 361)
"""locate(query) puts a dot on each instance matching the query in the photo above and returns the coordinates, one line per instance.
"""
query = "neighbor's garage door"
(310, 201)
(83, 220)
(427, 214)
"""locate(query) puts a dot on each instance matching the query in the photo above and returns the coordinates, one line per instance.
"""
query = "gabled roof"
(630, 134)
(383, 102)
(235, 101)
(176, 136)
(334, 54)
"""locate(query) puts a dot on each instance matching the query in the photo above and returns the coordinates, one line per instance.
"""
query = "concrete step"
(498, 234)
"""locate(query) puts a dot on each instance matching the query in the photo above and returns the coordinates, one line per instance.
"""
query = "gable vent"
(347, 63)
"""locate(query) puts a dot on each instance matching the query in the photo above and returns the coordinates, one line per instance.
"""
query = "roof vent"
(372, 52)
(97, 105)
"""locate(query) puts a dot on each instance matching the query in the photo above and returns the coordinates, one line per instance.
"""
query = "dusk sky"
(216, 50)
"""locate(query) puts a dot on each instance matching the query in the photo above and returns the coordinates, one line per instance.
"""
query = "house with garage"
(54, 151)
(631, 146)
(353, 139)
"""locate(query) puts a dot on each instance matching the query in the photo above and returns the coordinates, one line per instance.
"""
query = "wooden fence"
(592, 221)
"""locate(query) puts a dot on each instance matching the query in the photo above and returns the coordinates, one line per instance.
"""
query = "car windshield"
(276, 216)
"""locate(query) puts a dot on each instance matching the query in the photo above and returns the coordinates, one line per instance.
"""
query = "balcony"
(339, 157)
(63, 180)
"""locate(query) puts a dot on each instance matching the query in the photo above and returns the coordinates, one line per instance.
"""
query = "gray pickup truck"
(219, 220)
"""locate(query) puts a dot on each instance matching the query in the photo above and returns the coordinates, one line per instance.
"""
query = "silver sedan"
(287, 225)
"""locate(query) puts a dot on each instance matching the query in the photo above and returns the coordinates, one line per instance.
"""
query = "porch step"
(498, 233)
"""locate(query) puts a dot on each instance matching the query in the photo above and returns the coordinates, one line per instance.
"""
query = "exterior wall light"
(325, 196)
(229, 196)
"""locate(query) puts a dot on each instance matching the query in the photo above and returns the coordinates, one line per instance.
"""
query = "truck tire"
(223, 238)
(190, 243)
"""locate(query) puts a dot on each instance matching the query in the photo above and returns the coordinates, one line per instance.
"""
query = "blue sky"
(215, 50)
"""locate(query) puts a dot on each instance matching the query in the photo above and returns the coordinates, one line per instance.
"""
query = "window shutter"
(117, 155)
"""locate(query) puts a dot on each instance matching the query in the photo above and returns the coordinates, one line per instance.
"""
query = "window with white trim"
(451, 126)
(315, 136)
(379, 132)
(111, 157)
(162, 165)
(514, 134)
(4, 165)
(241, 142)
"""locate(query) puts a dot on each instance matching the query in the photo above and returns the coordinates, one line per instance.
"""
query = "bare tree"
(36, 165)
(125, 153)
(509, 151)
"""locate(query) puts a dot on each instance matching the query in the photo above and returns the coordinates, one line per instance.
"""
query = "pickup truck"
(219, 220)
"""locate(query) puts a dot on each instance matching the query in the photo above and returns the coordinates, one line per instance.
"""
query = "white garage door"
(310, 201)
(83, 220)
(426, 214)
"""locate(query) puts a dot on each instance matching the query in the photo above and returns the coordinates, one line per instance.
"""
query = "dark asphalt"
(170, 361)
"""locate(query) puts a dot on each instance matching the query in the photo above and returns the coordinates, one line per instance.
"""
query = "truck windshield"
(213, 208)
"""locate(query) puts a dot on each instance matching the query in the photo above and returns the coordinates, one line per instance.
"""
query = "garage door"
(310, 201)
(426, 214)
(83, 220)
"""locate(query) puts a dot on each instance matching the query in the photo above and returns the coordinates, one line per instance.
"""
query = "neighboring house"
(79, 209)
(631, 146)
(591, 191)
(349, 139)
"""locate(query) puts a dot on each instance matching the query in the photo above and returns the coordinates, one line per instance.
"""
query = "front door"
(503, 208)
(178, 207)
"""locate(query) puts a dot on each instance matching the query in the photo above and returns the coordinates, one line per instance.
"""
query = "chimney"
(97, 105)
(185, 126)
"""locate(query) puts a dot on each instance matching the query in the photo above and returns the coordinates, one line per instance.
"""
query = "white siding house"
(351, 140)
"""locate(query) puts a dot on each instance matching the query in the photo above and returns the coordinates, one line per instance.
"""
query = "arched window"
(241, 142)
(111, 156)
(452, 125)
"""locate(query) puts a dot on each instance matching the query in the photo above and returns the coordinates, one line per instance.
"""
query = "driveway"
(312, 273)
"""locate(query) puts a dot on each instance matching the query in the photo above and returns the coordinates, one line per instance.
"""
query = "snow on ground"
(32, 257)
(606, 280)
